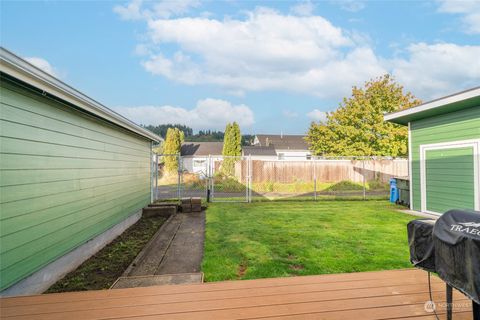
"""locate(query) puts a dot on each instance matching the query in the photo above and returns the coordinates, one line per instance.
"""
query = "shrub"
(228, 184)
(378, 185)
(268, 186)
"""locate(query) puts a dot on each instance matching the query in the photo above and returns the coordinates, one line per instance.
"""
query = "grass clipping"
(102, 269)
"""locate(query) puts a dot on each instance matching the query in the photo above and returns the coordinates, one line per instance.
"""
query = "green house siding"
(65, 177)
(455, 126)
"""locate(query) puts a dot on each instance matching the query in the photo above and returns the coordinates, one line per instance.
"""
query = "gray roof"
(20, 69)
(201, 148)
(258, 151)
(283, 142)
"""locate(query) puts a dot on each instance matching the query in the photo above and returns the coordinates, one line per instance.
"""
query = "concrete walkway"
(174, 254)
(186, 250)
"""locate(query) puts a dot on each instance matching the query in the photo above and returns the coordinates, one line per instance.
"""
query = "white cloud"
(131, 11)
(208, 113)
(43, 65)
(289, 114)
(350, 5)
(303, 9)
(267, 50)
(317, 115)
(135, 10)
(469, 9)
(435, 70)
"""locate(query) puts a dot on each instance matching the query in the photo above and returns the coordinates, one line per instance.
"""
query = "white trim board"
(475, 144)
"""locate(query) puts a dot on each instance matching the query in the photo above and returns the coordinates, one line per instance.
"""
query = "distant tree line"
(161, 130)
(206, 136)
(200, 136)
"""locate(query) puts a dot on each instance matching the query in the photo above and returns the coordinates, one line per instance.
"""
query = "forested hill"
(200, 136)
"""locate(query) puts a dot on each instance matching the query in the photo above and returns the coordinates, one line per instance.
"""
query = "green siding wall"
(65, 177)
(460, 125)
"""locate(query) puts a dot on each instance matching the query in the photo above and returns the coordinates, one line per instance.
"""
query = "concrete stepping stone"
(157, 280)
(148, 260)
(173, 255)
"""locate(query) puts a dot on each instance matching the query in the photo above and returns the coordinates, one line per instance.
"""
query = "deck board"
(397, 294)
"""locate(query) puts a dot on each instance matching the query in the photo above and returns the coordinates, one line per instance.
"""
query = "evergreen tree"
(171, 149)
(232, 148)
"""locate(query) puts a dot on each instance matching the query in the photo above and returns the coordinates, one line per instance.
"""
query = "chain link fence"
(248, 178)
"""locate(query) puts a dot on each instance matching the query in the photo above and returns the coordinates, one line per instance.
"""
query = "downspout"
(151, 171)
(410, 176)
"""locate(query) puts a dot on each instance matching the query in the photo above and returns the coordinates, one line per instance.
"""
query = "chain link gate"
(229, 179)
(215, 178)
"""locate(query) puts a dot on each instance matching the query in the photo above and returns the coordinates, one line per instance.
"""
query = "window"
(199, 163)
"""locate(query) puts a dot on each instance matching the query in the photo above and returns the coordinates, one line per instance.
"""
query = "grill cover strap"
(422, 253)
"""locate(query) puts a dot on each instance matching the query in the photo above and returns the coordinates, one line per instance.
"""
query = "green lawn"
(277, 239)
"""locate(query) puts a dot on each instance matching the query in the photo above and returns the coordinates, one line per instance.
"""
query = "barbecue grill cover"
(456, 237)
(422, 254)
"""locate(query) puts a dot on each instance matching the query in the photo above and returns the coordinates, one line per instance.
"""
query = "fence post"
(250, 170)
(209, 178)
(151, 171)
(156, 176)
(364, 181)
(314, 179)
(246, 176)
(179, 177)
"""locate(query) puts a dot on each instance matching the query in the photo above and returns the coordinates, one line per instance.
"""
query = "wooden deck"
(399, 294)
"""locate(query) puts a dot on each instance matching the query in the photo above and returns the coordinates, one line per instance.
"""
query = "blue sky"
(272, 66)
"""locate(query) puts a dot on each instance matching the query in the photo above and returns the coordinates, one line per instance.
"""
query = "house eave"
(461, 100)
(20, 69)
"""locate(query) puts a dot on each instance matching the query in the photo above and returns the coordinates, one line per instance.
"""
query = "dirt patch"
(291, 257)
(242, 270)
(102, 269)
(296, 267)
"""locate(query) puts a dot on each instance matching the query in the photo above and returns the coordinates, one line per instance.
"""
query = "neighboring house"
(444, 158)
(260, 153)
(287, 147)
(74, 175)
(195, 155)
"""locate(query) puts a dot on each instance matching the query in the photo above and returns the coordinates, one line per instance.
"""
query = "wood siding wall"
(65, 177)
(324, 170)
(455, 126)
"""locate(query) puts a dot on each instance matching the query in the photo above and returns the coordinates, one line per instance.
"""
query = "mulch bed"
(102, 269)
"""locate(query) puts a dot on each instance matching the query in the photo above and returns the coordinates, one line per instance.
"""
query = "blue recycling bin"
(393, 190)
